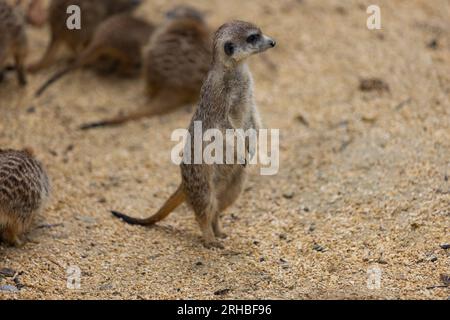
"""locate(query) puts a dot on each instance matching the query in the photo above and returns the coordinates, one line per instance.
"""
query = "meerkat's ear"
(229, 48)
(29, 151)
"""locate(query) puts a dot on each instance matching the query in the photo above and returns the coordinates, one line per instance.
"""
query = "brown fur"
(24, 190)
(34, 11)
(177, 60)
(93, 13)
(13, 40)
(119, 39)
(226, 103)
(36, 14)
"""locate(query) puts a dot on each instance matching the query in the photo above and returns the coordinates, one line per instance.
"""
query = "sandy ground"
(361, 188)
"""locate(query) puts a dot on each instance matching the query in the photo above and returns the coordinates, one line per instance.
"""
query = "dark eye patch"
(229, 48)
(253, 38)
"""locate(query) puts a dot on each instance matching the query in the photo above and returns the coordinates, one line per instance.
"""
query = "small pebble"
(31, 109)
(373, 84)
(86, 219)
(433, 44)
(445, 246)
(445, 279)
(288, 195)
(222, 292)
(284, 263)
(9, 288)
(300, 118)
(318, 248)
(106, 286)
(7, 272)
(282, 236)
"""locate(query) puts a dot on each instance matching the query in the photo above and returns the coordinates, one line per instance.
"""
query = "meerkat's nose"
(272, 42)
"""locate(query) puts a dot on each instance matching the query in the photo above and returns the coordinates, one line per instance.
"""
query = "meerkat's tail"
(164, 102)
(88, 56)
(53, 79)
(171, 204)
(119, 120)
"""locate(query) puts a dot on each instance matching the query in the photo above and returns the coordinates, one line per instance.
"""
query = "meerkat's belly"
(226, 174)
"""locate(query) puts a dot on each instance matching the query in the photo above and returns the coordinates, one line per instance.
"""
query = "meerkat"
(119, 39)
(34, 11)
(13, 40)
(24, 190)
(226, 102)
(36, 14)
(176, 62)
(92, 14)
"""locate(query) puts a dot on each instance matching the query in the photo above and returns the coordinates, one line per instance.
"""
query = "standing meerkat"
(226, 102)
(13, 40)
(24, 190)
(176, 62)
(120, 39)
(93, 12)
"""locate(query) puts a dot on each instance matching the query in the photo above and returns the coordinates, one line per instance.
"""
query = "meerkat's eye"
(229, 48)
(253, 38)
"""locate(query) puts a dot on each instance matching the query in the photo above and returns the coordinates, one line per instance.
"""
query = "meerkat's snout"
(267, 43)
(271, 42)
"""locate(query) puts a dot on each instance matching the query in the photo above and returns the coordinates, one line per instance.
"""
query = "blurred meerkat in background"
(34, 11)
(36, 14)
(120, 40)
(24, 190)
(176, 61)
(93, 13)
(13, 40)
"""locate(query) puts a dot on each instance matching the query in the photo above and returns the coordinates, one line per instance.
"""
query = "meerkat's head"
(185, 11)
(235, 41)
(118, 6)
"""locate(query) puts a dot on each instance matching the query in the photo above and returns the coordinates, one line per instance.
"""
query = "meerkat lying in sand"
(92, 14)
(226, 102)
(13, 40)
(24, 190)
(176, 62)
(120, 39)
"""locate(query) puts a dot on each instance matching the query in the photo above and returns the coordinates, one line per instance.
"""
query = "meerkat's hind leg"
(10, 236)
(20, 61)
(205, 222)
(217, 227)
(206, 212)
